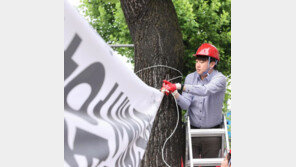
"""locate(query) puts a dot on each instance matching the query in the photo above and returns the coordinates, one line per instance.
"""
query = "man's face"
(201, 65)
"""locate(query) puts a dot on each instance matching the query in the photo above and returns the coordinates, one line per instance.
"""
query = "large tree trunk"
(157, 38)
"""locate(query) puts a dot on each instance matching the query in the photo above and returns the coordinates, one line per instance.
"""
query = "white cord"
(175, 78)
(160, 66)
(171, 134)
(181, 76)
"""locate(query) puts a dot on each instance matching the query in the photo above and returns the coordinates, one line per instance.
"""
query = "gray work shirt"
(203, 99)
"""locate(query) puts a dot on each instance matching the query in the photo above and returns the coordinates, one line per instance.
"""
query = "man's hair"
(205, 58)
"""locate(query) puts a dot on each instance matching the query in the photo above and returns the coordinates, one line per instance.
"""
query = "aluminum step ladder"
(194, 133)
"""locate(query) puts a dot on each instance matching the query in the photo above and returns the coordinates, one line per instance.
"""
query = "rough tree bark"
(157, 38)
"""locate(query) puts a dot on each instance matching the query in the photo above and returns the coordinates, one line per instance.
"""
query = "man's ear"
(212, 64)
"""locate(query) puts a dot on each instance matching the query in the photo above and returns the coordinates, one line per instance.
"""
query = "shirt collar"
(197, 76)
(209, 77)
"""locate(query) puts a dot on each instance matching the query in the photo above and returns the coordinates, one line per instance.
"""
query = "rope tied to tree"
(177, 123)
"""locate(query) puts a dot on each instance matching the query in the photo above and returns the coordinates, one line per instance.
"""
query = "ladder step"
(206, 162)
(206, 132)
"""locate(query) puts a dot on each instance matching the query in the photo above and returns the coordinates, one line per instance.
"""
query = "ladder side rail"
(222, 146)
(226, 133)
(223, 141)
(190, 143)
(186, 147)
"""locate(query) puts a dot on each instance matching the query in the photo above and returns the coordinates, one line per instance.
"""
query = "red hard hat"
(207, 49)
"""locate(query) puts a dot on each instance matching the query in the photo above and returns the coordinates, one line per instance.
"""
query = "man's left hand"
(164, 89)
(170, 86)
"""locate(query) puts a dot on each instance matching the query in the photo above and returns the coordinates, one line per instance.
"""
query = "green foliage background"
(200, 21)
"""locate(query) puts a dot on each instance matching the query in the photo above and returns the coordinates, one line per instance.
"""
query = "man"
(202, 96)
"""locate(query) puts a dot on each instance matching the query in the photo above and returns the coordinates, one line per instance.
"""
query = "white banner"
(109, 111)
